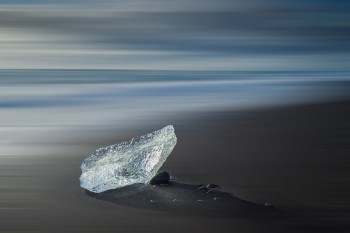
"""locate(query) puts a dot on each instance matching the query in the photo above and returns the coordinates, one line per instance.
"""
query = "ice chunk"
(126, 163)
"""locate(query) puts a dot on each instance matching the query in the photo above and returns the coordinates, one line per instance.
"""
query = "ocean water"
(41, 110)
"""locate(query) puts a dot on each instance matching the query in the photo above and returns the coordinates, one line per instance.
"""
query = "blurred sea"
(43, 109)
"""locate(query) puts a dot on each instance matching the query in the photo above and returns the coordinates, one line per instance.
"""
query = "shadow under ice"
(185, 199)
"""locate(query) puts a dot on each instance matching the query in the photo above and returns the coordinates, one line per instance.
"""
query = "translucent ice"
(126, 163)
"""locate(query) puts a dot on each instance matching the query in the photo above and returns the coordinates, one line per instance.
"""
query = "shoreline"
(295, 157)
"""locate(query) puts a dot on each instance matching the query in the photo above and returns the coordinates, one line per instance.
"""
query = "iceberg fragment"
(126, 163)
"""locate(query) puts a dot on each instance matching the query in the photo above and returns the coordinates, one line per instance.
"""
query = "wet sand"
(186, 200)
(295, 157)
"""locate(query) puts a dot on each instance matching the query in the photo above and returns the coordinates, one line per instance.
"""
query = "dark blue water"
(116, 76)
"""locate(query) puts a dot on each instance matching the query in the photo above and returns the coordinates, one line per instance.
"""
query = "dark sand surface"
(186, 199)
(295, 157)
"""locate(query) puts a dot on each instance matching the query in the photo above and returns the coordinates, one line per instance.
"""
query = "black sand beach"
(295, 157)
